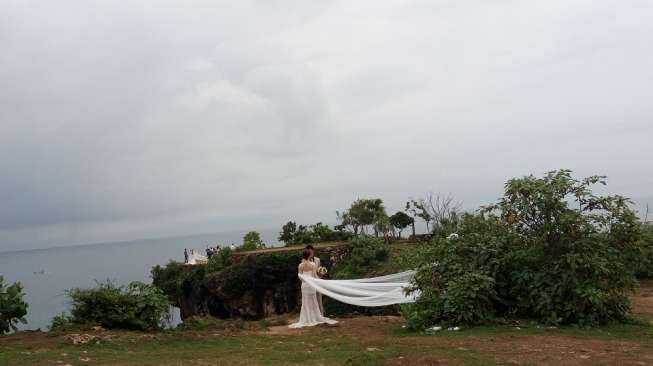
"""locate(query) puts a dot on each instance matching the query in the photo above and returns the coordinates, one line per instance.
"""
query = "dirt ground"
(507, 347)
(642, 300)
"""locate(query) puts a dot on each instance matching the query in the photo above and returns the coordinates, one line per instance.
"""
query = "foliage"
(258, 273)
(135, 306)
(12, 306)
(435, 208)
(531, 254)
(418, 209)
(252, 241)
(198, 323)
(291, 233)
(63, 322)
(642, 257)
(219, 261)
(362, 213)
(367, 252)
(177, 280)
(303, 235)
(287, 234)
(321, 232)
(382, 226)
(368, 255)
(400, 220)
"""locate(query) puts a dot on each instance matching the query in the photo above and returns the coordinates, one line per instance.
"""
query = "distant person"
(185, 255)
(232, 246)
(209, 252)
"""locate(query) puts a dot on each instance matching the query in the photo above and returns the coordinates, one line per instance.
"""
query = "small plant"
(12, 306)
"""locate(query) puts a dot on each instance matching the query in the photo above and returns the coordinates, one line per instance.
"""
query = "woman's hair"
(309, 246)
(306, 254)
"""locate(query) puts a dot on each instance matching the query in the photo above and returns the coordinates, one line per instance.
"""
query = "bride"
(310, 313)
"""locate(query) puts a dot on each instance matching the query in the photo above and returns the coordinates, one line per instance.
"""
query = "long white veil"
(195, 258)
(375, 291)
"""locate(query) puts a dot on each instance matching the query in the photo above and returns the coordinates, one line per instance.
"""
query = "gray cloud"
(154, 118)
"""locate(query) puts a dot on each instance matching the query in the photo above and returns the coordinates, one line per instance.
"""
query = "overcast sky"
(134, 119)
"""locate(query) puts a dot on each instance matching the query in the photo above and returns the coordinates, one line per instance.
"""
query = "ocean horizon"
(46, 273)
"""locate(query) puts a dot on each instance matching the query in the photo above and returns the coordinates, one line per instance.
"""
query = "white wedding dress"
(310, 314)
(195, 258)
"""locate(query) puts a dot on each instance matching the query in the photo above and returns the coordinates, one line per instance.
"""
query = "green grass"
(189, 347)
(331, 346)
(638, 330)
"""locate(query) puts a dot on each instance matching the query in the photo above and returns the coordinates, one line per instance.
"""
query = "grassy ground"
(355, 341)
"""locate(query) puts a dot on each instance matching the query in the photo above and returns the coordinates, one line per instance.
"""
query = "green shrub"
(178, 280)
(12, 306)
(219, 261)
(367, 252)
(642, 258)
(258, 273)
(136, 306)
(532, 254)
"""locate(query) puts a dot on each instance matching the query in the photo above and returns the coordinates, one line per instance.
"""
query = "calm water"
(82, 266)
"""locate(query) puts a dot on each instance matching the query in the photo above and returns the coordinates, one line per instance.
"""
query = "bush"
(367, 252)
(12, 306)
(367, 255)
(642, 258)
(258, 273)
(219, 261)
(532, 255)
(177, 280)
(136, 306)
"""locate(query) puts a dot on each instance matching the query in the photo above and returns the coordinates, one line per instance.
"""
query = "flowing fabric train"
(375, 291)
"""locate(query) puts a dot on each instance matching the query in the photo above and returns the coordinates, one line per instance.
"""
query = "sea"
(46, 274)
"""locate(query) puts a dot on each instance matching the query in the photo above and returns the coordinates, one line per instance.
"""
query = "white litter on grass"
(433, 329)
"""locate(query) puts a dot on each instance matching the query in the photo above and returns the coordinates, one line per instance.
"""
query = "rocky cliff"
(254, 286)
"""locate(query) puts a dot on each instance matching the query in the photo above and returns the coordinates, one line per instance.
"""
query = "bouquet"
(322, 271)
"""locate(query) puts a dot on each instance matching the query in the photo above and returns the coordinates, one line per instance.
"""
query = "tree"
(400, 220)
(287, 234)
(362, 213)
(418, 209)
(304, 235)
(382, 226)
(252, 241)
(321, 232)
(440, 208)
(12, 306)
(347, 220)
